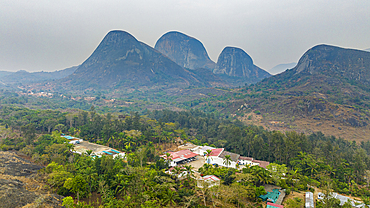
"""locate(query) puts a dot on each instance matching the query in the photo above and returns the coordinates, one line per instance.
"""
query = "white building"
(309, 202)
(247, 161)
(343, 200)
(208, 181)
(202, 150)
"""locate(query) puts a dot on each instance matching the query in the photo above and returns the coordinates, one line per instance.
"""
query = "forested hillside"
(316, 160)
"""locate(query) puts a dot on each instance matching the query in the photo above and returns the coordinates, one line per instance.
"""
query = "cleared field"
(95, 148)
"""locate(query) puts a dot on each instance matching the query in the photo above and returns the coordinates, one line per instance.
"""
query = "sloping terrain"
(18, 187)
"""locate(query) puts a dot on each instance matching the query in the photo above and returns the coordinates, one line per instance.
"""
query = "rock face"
(335, 62)
(121, 60)
(186, 51)
(236, 62)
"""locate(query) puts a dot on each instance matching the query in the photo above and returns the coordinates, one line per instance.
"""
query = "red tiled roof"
(275, 205)
(212, 177)
(245, 158)
(181, 155)
(234, 157)
(172, 168)
(262, 164)
(216, 152)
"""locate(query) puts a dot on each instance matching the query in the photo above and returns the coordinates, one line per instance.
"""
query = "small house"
(309, 202)
(208, 181)
(180, 157)
(272, 205)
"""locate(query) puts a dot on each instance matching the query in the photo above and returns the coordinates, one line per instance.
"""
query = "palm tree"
(170, 197)
(227, 160)
(262, 175)
(208, 155)
(168, 158)
(141, 155)
(177, 170)
(88, 152)
(366, 200)
(189, 171)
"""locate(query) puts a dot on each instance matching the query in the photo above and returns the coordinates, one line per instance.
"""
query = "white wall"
(220, 161)
(248, 162)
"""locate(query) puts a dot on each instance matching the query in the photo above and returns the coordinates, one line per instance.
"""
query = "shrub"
(287, 191)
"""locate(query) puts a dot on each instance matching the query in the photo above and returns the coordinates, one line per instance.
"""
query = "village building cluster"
(214, 156)
(82, 147)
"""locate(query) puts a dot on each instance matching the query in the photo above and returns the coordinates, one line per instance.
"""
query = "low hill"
(184, 50)
(5, 73)
(30, 77)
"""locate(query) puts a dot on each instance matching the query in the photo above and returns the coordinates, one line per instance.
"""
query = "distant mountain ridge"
(237, 63)
(184, 50)
(23, 76)
(281, 68)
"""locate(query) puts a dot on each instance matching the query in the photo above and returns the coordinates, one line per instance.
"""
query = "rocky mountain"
(329, 70)
(328, 91)
(237, 63)
(122, 60)
(184, 50)
(368, 50)
(281, 68)
(349, 64)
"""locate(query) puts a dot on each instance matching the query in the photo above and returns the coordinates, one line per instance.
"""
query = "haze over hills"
(184, 50)
(23, 76)
(237, 63)
(11, 80)
(281, 68)
(122, 60)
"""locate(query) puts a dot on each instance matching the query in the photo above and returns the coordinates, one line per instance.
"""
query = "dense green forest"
(139, 180)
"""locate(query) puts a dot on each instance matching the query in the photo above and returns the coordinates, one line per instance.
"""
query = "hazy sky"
(55, 34)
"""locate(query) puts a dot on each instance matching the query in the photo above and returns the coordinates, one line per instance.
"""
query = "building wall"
(247, 162)
(220, 161)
